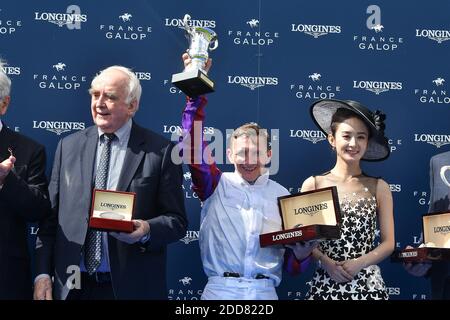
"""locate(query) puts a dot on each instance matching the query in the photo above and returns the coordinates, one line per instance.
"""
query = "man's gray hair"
(5, 82)
(134, 86)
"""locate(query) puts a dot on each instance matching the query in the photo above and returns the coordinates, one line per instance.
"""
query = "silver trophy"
(193, 81)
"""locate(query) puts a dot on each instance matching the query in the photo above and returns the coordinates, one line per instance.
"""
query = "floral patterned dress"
(358, 231)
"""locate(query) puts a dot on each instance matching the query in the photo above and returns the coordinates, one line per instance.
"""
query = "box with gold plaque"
(436, 241)
(112, 210)
(311, 215)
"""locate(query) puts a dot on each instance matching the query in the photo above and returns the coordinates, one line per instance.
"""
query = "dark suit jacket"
(24, 198)
(138, 272)
(439, 201)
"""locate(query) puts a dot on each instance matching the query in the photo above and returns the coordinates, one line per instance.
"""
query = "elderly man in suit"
(122, 266)
(438, 272)
(23, 198)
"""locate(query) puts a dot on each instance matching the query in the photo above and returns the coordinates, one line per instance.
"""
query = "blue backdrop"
(274, 59)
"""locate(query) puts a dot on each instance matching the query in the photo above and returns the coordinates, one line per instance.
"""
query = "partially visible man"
(23, 198)
(122, 266)
(438, 272)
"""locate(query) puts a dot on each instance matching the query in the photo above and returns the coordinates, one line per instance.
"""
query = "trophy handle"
(216, 44)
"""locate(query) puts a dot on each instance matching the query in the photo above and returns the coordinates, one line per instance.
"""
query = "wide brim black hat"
(378, 149)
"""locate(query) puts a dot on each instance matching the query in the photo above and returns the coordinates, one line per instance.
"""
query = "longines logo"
(126, 30)
(8, 26)
(190, 236)
(252, 35)
(253, 82)
(315, 30)
(314, 87)
(442, 229)
(11, 70)
(178, 22)
(437, 35)
(59, 80)
(58, 127)
(143, 76)
(437, 140)
(72, 18)
(377, 87)
(311, 210)
(435, 94)
(377, 40)
(395, 187)
(313, 136)
(176, 129)
(393, 291)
